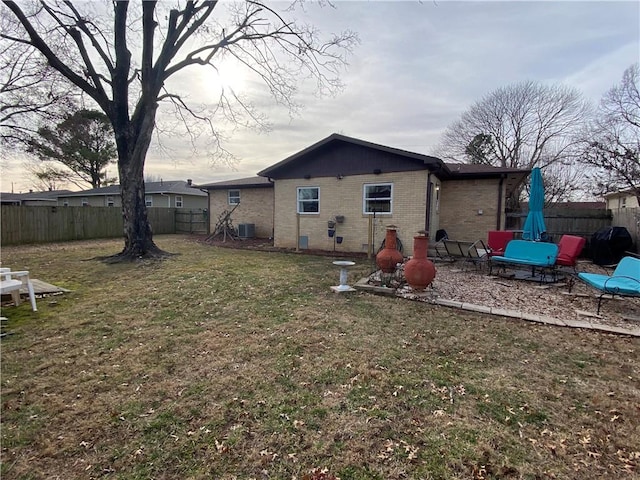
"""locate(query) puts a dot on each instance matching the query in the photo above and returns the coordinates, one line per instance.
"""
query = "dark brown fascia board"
(239, 183)
(433, 163)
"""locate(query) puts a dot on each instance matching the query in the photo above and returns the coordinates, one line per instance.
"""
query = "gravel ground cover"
(569, 299)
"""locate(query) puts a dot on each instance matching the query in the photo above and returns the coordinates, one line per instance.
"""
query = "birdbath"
(343, 287)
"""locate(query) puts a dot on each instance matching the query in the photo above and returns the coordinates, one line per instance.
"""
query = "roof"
(46, 196)
(396, 158)
(273, 170)
(178, 187)
(512, 177)
(621, 193)
(249, 182)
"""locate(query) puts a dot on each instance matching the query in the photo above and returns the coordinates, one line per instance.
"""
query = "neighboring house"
(369, 186)
(48, 198)
(167, 194)
(621, 199)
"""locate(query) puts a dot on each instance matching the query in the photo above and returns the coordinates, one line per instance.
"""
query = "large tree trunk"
(133, 144)
(138, 237)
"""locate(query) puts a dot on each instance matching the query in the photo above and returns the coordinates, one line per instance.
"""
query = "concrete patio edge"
(545, 320)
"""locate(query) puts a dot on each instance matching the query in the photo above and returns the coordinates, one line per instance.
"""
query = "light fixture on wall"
(377, 171)
(307, 176)
(340, 176)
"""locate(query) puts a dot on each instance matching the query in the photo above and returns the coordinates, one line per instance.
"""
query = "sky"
(417, 68)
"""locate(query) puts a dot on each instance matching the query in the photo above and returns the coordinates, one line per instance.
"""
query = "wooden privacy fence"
(629, 218)
(192, 221)
(27, 224)
(560, 221)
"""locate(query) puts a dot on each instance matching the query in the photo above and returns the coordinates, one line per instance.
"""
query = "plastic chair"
(12, 282)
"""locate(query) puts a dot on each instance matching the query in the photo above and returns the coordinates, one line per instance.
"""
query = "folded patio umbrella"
(534, 226)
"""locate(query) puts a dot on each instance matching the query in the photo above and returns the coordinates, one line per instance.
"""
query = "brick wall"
(345, 197)
(460, 202)
(256, 206)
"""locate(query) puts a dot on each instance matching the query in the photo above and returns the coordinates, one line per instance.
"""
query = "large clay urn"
(419, 271)
(389, 256)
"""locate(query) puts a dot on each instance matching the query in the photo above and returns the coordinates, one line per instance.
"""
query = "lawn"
(230, 364)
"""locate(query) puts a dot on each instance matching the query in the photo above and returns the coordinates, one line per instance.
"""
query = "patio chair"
(12, 282)
(471, 252)
(569, 248)
(497, 241)
(624, 281)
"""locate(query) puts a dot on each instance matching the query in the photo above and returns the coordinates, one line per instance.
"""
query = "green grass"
(234, 364)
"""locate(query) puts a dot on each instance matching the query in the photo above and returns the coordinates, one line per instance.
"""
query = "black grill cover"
(609, 244)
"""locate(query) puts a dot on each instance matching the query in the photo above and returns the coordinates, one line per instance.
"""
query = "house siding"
(94, 201)
(345, 197)
(256, 206)
(460, 201)
(616, 202)
(190, 202)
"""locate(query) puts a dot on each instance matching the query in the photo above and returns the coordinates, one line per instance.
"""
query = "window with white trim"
(179, 203)
(308, 200)
(377, 197)
(110, 202)
(233, 197)
(84, 202)
(148, 200)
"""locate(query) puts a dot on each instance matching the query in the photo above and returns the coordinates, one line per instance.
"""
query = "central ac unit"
(246, 230)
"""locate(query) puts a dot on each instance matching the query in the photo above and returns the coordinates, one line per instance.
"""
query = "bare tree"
(612, 142)
(563, 182)
(95, 49)
(45, 177)
(31, 93)
(523, 125)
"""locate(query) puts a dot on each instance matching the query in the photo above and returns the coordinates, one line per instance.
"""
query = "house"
(46, 198)
(362, 187)
(621, 199)
(168, 194)
(250, 199)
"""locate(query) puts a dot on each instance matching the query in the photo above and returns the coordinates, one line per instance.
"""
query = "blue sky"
(418, 67)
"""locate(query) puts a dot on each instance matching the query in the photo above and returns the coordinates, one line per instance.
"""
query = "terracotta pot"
(419, 271)
(389, 256)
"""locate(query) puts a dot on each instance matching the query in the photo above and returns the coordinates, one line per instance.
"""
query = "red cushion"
(497, 241)
(570, 248)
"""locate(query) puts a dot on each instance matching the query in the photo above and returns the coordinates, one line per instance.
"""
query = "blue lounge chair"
(624, 281)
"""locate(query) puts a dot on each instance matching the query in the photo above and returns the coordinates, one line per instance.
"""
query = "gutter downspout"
(499, 213)
(427, 213)
(273, 211)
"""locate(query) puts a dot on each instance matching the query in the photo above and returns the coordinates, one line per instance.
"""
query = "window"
(179, 201)
(148, 200)
(233, 197)
(308, 199)
(378, 198)
(624, 202)
(85, 202)
(110, 202)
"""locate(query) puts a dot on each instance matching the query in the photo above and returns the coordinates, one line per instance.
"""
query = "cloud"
(418, 67)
